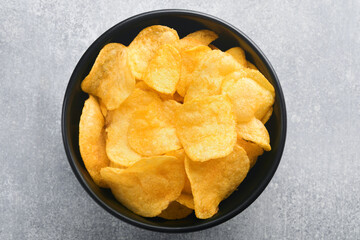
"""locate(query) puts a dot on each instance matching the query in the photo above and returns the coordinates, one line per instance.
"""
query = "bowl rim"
(254, 195)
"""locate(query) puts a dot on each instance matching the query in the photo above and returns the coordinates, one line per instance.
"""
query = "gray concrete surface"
(313, 45)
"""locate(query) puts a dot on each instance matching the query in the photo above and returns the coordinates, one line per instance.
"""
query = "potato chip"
(251, 66)
(214, 180)
(267, 116)
(248, 97)
(186, 197)
(151, 132)
(252, 150)
(102, 108)
(239, 55)
(163, 71)
(213, 47)
(208, 75)
(92, 140)
(110, 78)
(186, 200)
(205, 37)
(186, 44)
(206, 127)
(259, 78)
(143, 47)
(190, 59)
(175, 210)
(177, 97)
(118, 120)
(148, 186)
(254, 131)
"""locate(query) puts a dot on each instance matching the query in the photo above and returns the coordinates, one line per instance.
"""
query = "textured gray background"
(313, 45)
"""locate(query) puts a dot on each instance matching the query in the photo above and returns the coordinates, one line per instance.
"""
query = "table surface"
(314, 47)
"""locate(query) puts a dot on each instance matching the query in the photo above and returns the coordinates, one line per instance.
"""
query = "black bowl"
(184, 22)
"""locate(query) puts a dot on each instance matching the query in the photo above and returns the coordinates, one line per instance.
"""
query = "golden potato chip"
(214, 180)
(206, 127)
(151, 132)
(102, 108)
(247, 96)
(254, 131)
(213, 47)
(267, 116)
(177, 97)
(175, 210)
(148, 186)
(117, 147)
(110, 78)
(187, 43)
(163, 71)
(143, 47)
(186, 200)
(190, 59)
(170, 107)
(92, 140)
(259, 78)
(239, 55)
(205, 37)
(251, 66)
(142, 85)
(209, 74)
(252, 150)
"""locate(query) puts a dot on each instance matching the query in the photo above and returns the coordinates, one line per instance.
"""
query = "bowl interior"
(184, 22)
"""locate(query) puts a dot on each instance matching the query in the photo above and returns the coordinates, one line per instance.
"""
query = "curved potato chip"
(103, 108)
(118, 120)
(247, 96)
(206, 127)
(252, 150)
(110, 78)
(186, 200)
(251, 66)
(214, 180)
(254, 131)
(175, 210)
(148, 186)
(267, 116)
(180, 154)
(257, 76)
(208, 76)
(151, 132)
(92, 140)
(163, 71)
(143, 47)
(143, 86)
(187, 43)
(239, 55)
(204, 36)
(190, 59)
(213, 47)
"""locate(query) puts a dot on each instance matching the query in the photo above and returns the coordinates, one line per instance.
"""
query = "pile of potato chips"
(173, 125)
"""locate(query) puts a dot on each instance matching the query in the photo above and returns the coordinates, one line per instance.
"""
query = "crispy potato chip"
(252, 150)
(117, 147)
(209, 74)
(267, 116)
(102, 108)
(259, 78)
(92, 140)
(213, 47)
(205, 37)
(190, 59)
(254, 131)
(143, 47)
(248, 97)
(151, 132)
(251, 66)
(110, 78)
(148, 186)
(186, 200)
(214, 180)
(186, 197)
(187, 43)
(163, 71)
(239, 55)
(206, 127)
(177, 97)
(175, 210)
